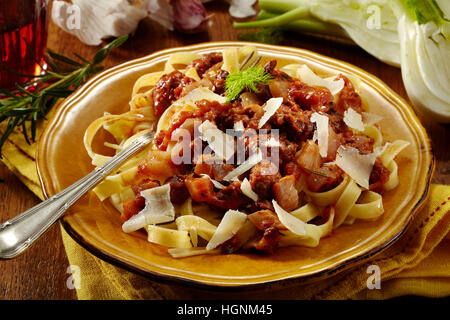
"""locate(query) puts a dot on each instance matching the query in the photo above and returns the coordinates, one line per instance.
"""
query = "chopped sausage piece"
(287, 149)
(168, 89)
(259, 205)
(221, 170)
(269, 67)
(131, 207)
(269, 240)
(216, 171)
(293, 121)
(204, 168)
(285, 193)
(206, 62)
(379, 176)
(178, 191)
(230, 197)
(217, 80)
(264, 219)
(201, 189)
(359, 141)
(348, 97)
(292, 168)
(262, 177)
(324, 178)
(144, 184)
(310, 98)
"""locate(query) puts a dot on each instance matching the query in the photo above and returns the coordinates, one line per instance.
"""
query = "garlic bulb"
(189, 16)
(92, 21)
(159, 10)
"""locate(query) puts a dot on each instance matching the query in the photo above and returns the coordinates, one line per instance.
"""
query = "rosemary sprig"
(26, 106)
(318, 173)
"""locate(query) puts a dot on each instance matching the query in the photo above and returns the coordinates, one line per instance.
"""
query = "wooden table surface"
(41, 272)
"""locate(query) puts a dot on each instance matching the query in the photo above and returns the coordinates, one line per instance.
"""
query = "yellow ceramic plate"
(62, 160)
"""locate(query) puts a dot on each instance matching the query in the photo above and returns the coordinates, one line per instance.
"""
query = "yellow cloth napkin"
(417, 264)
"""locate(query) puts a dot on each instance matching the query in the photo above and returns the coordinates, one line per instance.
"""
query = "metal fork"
(247, 59)
(20, 232)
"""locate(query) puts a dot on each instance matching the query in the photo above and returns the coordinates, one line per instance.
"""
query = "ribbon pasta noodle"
(198, 210)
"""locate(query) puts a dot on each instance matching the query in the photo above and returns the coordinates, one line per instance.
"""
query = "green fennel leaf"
(249, 79)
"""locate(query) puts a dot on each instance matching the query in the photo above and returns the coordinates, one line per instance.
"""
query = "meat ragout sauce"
(298, 154)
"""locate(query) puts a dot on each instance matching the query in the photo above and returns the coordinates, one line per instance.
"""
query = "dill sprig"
(63, 76)
(248, 79)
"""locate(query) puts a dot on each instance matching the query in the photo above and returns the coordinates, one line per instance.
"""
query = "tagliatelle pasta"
(283, 163)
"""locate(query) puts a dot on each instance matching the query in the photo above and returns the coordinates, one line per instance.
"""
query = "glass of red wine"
(23, 37)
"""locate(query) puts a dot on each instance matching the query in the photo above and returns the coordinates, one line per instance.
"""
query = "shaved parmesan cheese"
(308, 76)
(292, 223)
(231, 222)
(238, 126)
(247, 190)
(270, 108)
(245, 166)
(353, 119)
(370, 118)
(158, 209)
(322, 132)
(202, 93)
(216, 183)
(221, 143)
(357, 166)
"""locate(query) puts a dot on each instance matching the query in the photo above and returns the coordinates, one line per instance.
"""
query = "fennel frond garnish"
(249, 79)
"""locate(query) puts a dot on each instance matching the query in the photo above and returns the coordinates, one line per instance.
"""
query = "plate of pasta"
(268, 163)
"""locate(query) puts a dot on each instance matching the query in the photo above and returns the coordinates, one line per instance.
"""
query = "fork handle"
(20, 232)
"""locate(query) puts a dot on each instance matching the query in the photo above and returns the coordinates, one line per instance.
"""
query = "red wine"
(23, 37)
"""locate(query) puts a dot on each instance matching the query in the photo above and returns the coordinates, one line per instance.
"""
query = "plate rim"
(166, 278)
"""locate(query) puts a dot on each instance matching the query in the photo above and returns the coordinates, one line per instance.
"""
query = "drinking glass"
(23, 37)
